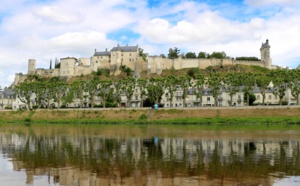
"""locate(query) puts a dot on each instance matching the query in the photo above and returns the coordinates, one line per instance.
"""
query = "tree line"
(54, 90)
(175, 53)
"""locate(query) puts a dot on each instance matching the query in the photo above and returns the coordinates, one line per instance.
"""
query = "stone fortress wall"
(129, 56)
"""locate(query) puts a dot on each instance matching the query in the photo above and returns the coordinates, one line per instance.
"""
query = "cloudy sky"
(49, 29)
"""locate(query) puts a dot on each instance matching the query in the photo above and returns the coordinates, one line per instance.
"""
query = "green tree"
(173, 53)
(49, 94)
(126, 69)
(155, 89)
(215, 84)
(142, 54)
(190, 55)
(104, 90)
(218, 55)
(39, 89)
(24, 92)
(68, 98)
(127, 87)
(294, 79)
(280, 82)
(193, 72)
(142, 84)
(202, 55)
(232, 83)
(170, 85)
(61, 90)
(91, 88)
(248, 82)
(199, 85)
(117, 92)
(77, 88)
(263, 81)
(162, 55)
(185, 84)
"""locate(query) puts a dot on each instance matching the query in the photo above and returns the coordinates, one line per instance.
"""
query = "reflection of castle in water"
(168, 161)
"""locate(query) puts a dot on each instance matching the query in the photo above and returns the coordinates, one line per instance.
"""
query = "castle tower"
(31, 66)
(67, 66)
(265, 54)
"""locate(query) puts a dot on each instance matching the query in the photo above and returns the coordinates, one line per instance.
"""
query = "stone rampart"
(249, 63)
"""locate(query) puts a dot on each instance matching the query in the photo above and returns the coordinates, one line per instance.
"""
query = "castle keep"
(129, 56)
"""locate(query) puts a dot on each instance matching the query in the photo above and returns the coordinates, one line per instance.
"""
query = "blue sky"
(49, 29)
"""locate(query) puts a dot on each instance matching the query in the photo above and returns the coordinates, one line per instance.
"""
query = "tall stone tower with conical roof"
(265, 54)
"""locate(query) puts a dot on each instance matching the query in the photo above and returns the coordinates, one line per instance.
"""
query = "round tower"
(31, 66)
(265, 54)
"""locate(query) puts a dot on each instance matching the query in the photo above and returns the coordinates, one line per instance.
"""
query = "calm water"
(147, 155)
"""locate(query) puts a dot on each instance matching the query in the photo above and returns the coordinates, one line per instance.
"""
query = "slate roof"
(8, 93)
(103, 53)
(266, 44)
(257, 90)
(125, 48)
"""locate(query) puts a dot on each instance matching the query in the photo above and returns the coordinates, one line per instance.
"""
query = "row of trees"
(175, 53)
(54, 90)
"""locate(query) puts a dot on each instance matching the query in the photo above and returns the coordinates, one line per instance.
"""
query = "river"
(90, 155)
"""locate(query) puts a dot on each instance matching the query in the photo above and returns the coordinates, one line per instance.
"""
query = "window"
(270, 97)
(136, 97)
(129, 54)
(257, 97)
(208, 98)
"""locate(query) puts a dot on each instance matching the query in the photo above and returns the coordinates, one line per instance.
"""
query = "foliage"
(218, 55)
(105, 90)
(163, 55)
(173, 53)
(155, 89)
(280, 80)
(142, 54)
(215, 84)
(263, 81)
(202, 55)
(247, 59)
(126, 69)
(251, 98)
(192, 72)
(232, 83)
(57, 65)
(190, 55)
(143, 117)
(247, 81)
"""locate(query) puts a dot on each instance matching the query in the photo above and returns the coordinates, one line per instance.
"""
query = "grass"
(220, 117)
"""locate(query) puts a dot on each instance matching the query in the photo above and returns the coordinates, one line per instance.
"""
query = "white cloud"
(270, 2)
(206, 28)
(59, 15)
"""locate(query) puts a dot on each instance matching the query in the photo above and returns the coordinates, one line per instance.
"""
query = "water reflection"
(152, 155)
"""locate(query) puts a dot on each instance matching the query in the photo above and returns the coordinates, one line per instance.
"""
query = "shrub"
(143, 117)
(27, 120)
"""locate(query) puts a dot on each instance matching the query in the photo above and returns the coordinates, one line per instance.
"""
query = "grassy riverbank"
(222, 116)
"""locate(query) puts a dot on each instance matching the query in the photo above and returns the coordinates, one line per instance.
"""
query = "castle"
(129, 56)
